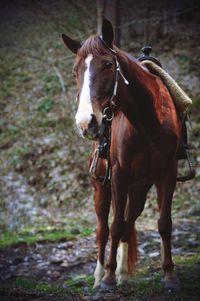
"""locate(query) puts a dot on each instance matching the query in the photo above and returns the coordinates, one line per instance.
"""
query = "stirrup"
(192, 171)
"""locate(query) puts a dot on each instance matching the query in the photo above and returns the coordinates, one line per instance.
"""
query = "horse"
(144, 138)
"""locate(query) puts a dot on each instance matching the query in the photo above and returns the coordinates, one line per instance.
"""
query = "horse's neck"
(140, 105)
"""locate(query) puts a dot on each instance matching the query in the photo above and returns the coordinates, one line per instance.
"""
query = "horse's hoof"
(172, 286)
(97, 287)
(108, 285)
(122, 283)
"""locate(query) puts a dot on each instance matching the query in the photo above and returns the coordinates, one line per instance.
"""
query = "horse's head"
(95, 73)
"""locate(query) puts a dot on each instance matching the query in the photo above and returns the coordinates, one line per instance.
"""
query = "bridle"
(108, 112)
(103, 149)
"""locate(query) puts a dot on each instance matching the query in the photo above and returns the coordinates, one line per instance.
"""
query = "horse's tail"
(132, 251)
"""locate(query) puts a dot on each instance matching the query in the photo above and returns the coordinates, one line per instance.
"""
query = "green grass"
(188, 261)
(72, 286)
(147, 286)
(45, 105)
(5, 92)
(23, 77)
(76, 284)
(34, 235)
(51, 84)
(10, 239)
(16, 154)
(8, 131)
(41, 287)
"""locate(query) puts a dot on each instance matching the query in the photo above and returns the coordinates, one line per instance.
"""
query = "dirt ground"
(26, 269)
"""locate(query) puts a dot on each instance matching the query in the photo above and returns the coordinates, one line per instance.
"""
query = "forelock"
(93, 45)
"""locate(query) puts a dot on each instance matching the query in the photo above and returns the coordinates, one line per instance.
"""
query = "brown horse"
(145, 134)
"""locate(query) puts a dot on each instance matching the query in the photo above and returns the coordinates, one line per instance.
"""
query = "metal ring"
(108, 112)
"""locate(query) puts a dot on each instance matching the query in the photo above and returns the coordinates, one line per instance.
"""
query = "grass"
(72, 286)
(75, 285)
(22, 78)
(16, 154)
(186, 261)
(40, 287)
(11, 239)
(40, 234)
(148, 287)
(45, 105)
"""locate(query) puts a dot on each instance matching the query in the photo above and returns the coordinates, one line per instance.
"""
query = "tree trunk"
(111, 11)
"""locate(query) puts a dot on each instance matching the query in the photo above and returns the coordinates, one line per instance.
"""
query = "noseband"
(103, 149)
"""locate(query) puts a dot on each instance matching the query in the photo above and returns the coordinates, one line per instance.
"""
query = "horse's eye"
(108, 65)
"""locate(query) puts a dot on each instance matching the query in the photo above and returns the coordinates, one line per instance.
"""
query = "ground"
(64, 270)
(47, 220)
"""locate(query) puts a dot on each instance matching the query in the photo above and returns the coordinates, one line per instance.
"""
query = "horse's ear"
(107, 32)
(73, 45)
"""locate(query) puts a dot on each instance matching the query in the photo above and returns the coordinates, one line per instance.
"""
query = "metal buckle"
(108, 114)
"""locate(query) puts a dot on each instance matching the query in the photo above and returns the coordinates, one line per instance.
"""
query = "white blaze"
(83, 115)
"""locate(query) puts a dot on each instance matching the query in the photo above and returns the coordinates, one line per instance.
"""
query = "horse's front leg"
(119, 186)
(127, 254)
(102, 206)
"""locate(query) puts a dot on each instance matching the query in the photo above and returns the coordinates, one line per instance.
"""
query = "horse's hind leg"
(165, 190)
(102, 199)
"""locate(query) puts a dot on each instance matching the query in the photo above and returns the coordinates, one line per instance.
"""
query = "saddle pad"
(180, 98)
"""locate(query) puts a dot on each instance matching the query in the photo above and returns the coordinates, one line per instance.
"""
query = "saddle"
(181, 100)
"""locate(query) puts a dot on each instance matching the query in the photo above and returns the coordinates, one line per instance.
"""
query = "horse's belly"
(146, 168)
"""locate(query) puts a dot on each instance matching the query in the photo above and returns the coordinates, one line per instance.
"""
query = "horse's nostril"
(93, 122)
(84, 132)
(89, 129)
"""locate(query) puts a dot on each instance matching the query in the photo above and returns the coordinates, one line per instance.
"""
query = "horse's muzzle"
(92, 131)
